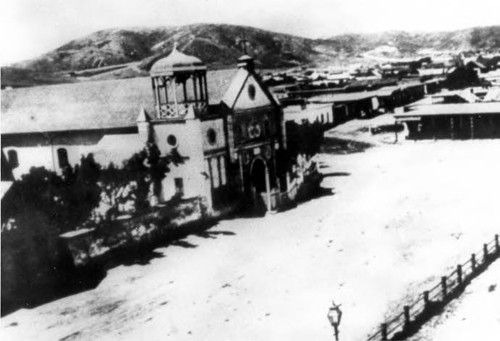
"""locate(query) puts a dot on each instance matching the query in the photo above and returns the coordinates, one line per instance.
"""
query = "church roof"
(231, 95)
(176, 61)
(108, 104)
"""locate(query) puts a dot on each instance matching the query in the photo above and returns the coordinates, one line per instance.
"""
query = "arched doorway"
(258, 175)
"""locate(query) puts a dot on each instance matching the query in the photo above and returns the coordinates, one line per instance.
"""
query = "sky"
(29, 28)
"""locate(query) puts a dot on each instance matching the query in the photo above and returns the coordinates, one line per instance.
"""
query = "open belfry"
(228, 146)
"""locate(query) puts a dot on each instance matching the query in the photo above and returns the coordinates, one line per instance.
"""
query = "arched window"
(62, 157)
(211, 136)
(13, 160)
(223, 176)
(214, 165)
(251, 91)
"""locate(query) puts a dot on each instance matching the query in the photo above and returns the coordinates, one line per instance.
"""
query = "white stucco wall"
(36, 152)
(310, 113)
(189, 145)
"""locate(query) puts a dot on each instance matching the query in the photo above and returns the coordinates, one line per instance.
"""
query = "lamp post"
(334, 316)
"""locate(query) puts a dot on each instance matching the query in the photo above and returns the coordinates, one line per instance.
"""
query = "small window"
(172, 140)
(179, 187)
(62, 157)
(223, 177)
(211, 136)
(251, 91)
(214, 165)
(13, 160)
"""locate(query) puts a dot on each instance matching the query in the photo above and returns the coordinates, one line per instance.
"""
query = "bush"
(66, 201)
(305, 138)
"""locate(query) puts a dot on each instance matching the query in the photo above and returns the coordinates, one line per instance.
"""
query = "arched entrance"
(259, 177)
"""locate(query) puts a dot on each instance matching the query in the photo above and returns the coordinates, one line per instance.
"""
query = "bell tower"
(179, 86)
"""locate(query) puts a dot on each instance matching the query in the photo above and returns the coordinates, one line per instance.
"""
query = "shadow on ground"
(66, 280)
(334, 174)
(333, 145)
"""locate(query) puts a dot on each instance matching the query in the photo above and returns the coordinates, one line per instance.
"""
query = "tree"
(305, 138)
(140, 178)
(462, 77)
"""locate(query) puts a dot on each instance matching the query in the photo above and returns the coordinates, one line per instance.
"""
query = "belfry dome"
(176, 61)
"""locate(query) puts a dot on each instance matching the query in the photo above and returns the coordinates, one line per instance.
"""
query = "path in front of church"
(399, 217)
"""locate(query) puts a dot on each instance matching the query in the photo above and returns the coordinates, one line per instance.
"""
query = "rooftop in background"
(452, 109)
(343, 97)
(89, 105)
(297, 109)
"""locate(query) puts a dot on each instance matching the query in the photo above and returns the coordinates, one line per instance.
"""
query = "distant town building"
(322, 113)
(452, 121)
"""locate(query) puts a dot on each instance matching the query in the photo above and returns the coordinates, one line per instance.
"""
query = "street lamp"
(334, 316)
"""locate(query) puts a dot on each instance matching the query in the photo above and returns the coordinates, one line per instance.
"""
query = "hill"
(484, 38)
(217, 45)
(121, 53)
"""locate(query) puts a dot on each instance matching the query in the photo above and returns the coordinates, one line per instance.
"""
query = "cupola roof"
(176, 61)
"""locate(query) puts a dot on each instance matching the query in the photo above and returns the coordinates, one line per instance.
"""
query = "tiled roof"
(88, 105)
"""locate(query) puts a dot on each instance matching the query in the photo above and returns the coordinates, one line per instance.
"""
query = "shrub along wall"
(43, 205)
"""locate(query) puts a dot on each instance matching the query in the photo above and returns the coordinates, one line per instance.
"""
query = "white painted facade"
(42, 150)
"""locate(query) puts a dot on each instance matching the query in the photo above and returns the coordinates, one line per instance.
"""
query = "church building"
(229, 130)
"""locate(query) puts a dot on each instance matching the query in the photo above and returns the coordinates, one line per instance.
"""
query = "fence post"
(444, 287)
(473, 262)
(485, 251)
(406, 313)
(497, 246)
(426, 300)
(459, 275)
(383, 331)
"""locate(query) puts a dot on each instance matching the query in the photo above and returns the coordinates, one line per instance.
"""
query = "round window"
(211, 136)
(251, 91)
(172, 140)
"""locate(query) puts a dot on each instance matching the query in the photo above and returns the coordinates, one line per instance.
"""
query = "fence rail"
(428, 303)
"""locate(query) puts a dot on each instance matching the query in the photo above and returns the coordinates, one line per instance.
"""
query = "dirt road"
(399, 216)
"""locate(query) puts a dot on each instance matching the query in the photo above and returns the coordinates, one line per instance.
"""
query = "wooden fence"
(432, 301)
